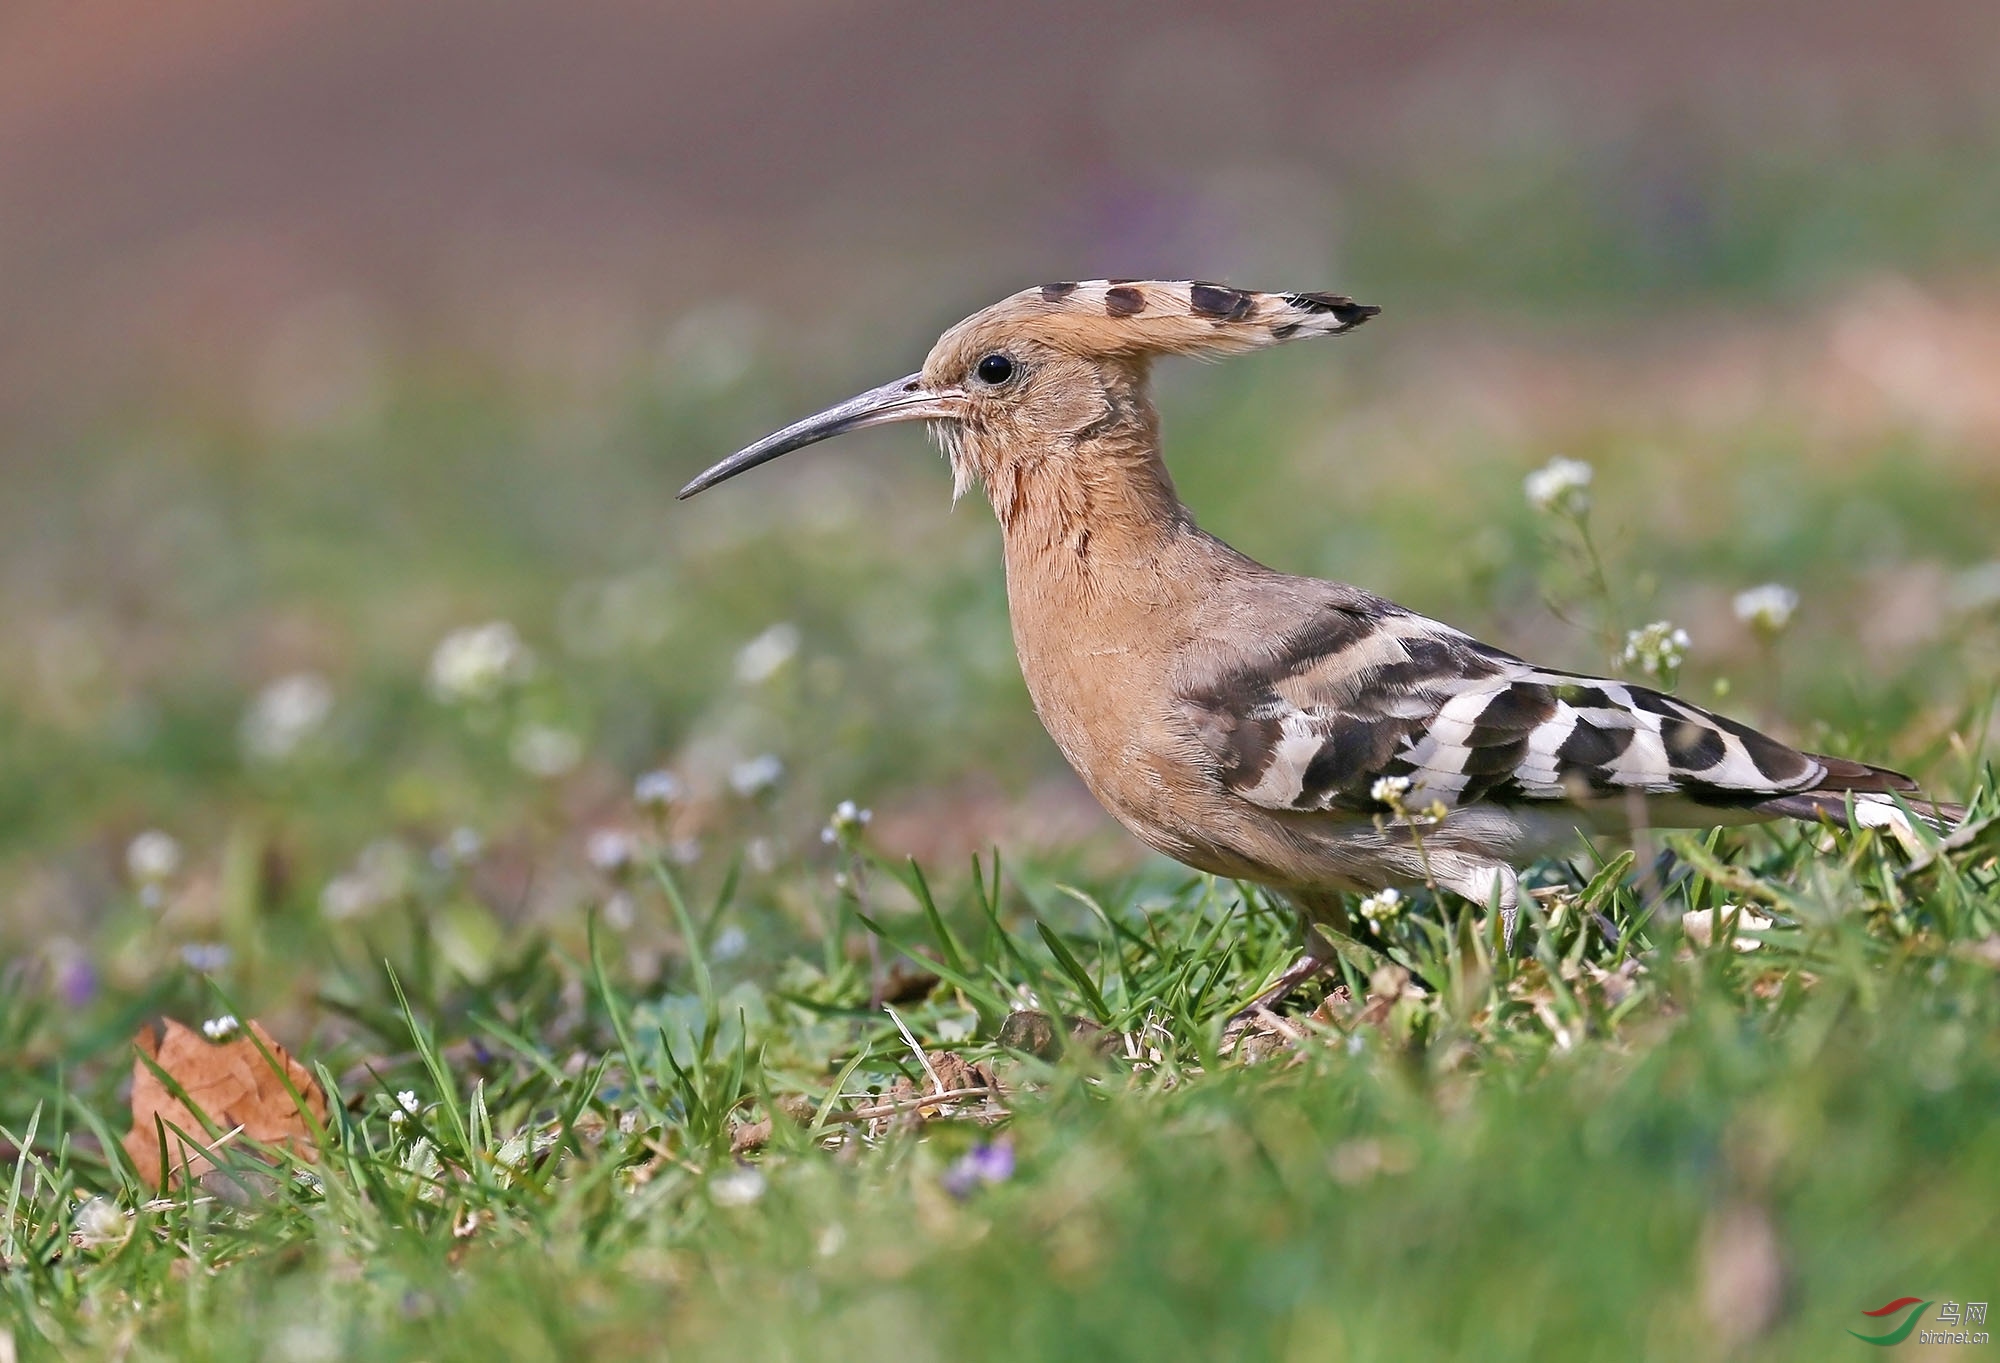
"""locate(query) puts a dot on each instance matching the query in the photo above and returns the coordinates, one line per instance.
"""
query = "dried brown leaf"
(232, 1084)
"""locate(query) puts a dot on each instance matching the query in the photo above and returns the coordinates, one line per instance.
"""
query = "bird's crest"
(1133, 318)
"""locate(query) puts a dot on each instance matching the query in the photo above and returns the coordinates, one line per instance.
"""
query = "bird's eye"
(995, 369)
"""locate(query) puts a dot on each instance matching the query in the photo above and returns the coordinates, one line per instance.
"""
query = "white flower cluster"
(1389, 790)
(1658, 650)
(407, 1106)
(846, 825)
(1561, 486)
(152, 857)
(658, 791)
(1382, 908)
(284, 716)
(611, 850)
(222, 1028)
(757, 775)
(1767, 609)
(478, 663)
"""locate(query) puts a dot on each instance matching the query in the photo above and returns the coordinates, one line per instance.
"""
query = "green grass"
(1551, 1155)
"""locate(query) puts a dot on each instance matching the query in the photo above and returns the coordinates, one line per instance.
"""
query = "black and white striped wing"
(1312, 722)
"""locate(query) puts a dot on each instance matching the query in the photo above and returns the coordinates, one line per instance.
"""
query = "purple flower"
(983, 1163)
(76, 982)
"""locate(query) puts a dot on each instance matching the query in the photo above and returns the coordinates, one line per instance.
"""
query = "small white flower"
(1767, 609)
(407, 1106)
(730, 943)
(1382, 907)
(1658, 650)
(152, 857)
(478, 663)
(285, 715)
(545, 751)
(222, 1028)
(1388, 790)
(757, 775)
(99, 1222)
(761, 658)
(1561, 485)
(846, 825)
(737, 1188)
(658, 791)
(609, 850)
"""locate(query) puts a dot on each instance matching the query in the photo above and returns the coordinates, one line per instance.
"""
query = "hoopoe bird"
(1269, 728)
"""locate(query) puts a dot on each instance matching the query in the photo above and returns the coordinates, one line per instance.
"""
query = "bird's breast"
(1101, 673)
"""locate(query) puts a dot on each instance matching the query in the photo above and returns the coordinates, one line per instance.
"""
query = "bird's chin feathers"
(950, 442)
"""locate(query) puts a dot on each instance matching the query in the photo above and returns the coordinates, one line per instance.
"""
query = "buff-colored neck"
(1103, 561)
(1093, 503)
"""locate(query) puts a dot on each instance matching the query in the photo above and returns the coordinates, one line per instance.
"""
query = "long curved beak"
(907, 399)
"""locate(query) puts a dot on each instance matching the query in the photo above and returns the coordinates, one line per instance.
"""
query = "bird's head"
(1058, 372)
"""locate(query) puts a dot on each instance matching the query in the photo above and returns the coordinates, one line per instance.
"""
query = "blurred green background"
(328, 331)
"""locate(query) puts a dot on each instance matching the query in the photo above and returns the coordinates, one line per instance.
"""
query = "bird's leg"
(1323, 926)
(1505, 895)
(1319, 957)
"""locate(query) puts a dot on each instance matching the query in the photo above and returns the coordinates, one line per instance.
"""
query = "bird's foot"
(1309, 964)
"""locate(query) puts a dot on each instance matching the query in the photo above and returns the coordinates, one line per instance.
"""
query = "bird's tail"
(1878, 797)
